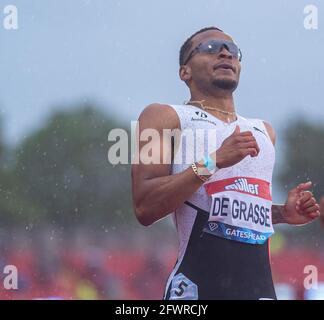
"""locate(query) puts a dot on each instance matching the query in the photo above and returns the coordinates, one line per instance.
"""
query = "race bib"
(240, 209)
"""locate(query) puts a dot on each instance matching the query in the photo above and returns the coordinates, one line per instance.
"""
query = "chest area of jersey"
(210, 134)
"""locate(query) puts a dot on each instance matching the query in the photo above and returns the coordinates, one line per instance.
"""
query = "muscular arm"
(156, 192)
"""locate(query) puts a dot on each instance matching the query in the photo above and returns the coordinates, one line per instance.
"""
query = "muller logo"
(242, 184)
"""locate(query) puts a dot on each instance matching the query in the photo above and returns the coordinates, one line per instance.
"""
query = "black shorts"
(215, 268)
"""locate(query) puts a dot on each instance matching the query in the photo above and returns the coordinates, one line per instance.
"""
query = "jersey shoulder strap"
(184, 114)
(258, 124)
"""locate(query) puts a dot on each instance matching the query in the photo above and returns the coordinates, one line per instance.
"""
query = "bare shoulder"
(271, 131)
(159, 116)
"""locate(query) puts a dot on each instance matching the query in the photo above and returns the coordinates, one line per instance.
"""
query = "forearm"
(277, 211)
(162, 195)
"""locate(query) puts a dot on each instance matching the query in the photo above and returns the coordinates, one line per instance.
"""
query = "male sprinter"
(221, 202)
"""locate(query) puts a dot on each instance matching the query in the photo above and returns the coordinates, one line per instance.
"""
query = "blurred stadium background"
(66, 220)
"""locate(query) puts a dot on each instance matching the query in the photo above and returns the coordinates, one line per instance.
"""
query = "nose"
(224, 53)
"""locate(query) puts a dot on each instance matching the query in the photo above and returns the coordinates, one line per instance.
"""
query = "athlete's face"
(208, 71)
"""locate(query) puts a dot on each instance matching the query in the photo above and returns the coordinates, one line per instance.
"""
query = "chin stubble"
(225, 84)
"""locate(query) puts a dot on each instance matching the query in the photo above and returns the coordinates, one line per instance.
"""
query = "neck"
(224, 102)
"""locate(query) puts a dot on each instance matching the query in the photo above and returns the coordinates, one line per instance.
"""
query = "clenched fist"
(235, 148)
(301, 207)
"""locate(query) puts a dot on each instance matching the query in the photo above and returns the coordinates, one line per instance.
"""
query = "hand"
(235, 148)
(321, 204)
(301, 207)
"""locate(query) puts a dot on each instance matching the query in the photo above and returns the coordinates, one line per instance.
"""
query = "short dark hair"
(188, 43)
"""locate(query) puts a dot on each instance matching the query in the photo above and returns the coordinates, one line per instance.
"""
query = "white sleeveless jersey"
(238, 198)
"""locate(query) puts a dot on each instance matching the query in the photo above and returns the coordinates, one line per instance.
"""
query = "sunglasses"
(215, 47)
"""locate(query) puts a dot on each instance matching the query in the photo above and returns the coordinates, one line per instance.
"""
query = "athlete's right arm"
(156, 192)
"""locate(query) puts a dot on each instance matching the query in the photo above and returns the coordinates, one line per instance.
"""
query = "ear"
(185, 73)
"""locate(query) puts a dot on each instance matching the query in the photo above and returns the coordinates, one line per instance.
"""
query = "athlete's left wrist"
(210, 164)
(278, 213)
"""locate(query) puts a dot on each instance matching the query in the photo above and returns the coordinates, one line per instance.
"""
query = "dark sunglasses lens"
(216, 46)
(233, 49)
(211, 47)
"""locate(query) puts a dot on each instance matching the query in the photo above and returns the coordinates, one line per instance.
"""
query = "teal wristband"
(209, 163)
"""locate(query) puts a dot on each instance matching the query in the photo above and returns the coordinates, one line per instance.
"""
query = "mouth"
(224, 66)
